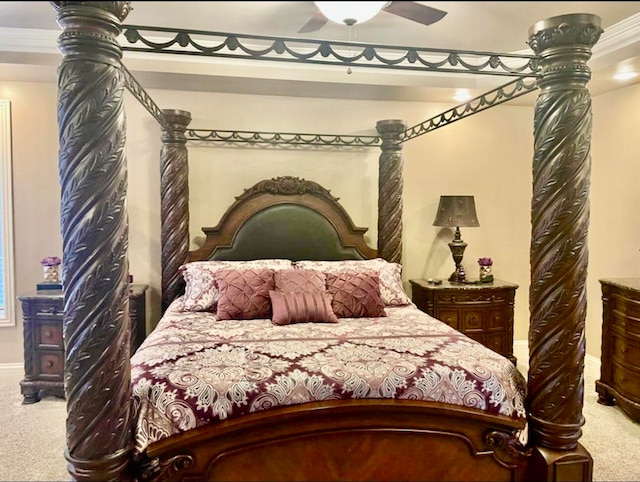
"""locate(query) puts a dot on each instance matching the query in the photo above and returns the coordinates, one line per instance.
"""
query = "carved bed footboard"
(354, 440)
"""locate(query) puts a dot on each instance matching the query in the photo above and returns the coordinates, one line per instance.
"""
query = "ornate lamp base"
(457, 247)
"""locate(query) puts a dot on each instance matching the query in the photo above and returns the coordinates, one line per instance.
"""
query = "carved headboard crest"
(287, 186)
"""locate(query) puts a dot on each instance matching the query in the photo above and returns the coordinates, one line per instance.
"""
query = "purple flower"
(485, 261)
(51, 261)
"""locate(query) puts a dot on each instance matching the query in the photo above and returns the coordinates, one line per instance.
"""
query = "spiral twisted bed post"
(174, 194)
(559, 254)
(94, 224)
(390, 186)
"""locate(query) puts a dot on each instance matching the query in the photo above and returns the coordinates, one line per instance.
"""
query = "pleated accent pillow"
(292, 280)
(390, 275)
(244, 294)
(301, 307)
(355, 295)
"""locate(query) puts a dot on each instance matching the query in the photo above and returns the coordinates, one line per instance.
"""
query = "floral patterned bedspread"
(193, 370)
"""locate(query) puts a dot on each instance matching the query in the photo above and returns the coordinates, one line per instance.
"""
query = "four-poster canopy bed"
(297, 436)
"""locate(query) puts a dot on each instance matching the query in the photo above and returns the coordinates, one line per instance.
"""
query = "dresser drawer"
(50, 363)
(625, 352)
(626, 382)
(626, 306)
(49, 335)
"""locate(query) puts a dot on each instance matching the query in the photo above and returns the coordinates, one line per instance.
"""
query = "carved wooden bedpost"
(175, 203)
(390, 190)
(559, 254)
(93, 178)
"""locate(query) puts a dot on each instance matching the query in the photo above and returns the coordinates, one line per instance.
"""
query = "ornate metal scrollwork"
(497, 96)
(145, 99)
(252, 137)
(298, 50)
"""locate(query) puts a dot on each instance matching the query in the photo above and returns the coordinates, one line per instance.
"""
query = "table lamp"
(457, 211)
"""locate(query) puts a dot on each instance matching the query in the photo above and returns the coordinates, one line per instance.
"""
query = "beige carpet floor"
(33, 436)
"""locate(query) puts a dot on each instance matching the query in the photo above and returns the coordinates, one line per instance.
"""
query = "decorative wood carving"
(94, 225)
(390, 186)
(560, 219)
(287, 186)
(174, 187)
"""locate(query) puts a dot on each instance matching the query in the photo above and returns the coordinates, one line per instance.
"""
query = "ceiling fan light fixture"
(350, 13)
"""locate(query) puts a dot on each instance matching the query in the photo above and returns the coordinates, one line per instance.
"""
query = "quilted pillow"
(390, 274)
(301, 307)
(244, 294)
(355, 295)
(201, 293)
(290, 280)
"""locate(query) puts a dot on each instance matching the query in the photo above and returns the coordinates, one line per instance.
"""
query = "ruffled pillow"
(355, 295)
(390, 274)
(244, 294)
(301, 307)
(201, 292)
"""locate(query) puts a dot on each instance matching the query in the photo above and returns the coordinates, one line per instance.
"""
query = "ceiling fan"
(352, 13)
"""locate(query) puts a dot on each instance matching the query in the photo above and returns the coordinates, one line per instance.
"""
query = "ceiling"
(28, 51)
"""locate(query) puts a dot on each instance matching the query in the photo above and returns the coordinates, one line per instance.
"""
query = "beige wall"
(487, 155)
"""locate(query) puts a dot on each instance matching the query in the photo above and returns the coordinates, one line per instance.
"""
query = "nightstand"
(44, 357)
(482, 311)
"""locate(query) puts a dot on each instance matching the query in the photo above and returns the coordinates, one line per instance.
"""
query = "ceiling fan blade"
(315, 23)
(415, 11)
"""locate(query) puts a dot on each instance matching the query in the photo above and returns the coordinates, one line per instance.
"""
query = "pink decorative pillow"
(244, 294)
(355, 295)
(290, 280)
(391, 289)
(201, 293)
(301, 307)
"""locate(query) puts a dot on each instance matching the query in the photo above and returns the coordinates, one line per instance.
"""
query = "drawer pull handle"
(47, 334)
(52, 310)
(48, 364)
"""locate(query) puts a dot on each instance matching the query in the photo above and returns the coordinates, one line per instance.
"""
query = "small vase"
(485, 274)
(51, 274)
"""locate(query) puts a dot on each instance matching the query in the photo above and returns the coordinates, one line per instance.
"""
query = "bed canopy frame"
(93, 176)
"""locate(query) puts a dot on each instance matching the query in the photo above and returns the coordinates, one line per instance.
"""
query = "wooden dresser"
(44, 358)
(483, 312)
(620, 363)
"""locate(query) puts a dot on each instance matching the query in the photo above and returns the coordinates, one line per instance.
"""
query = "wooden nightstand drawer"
(49, 335)
(496, 320)
(472, 322)
(50, 363)
(450, 318)
(495, 342)
(45, 309)
(483, 312)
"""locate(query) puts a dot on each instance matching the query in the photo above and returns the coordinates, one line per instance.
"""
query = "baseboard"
(591, 363)
(11, 366)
